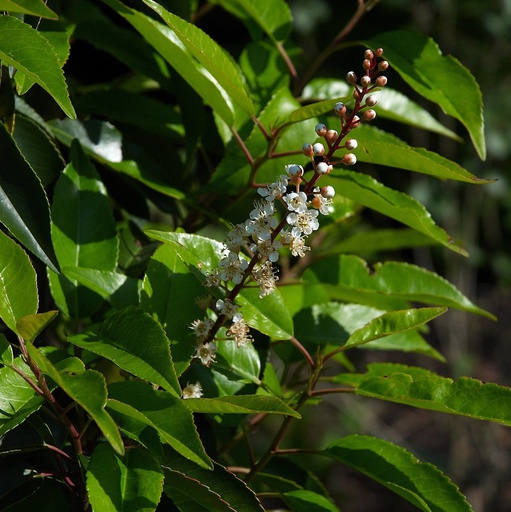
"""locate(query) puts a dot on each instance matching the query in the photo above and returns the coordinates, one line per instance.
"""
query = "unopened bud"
(328, 192)
(349, 159)
(369, 115)
(339, 108)
(295, 170)
(351, 78)
(355, 121)
(381, 81)
(322, 168)
(307, 150)
(332, 135)
(368, 54)
(371, 100)
(366, 64)
(321, 129)
(318, 149)
(365, 81)
(379, 52)
(351, 144)
(383, 65)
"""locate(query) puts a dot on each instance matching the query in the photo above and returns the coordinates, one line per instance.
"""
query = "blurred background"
(476, 455)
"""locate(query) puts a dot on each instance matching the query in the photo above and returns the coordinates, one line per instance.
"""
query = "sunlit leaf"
(30, 326)
(131, 483)
(32, 7)
(420, 483)
(308, 501)
(36, 58)
(439, 78)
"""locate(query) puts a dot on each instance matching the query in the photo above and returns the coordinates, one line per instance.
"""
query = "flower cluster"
(286, 213)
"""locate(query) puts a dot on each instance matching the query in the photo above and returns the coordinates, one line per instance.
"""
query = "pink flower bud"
(383, 65)
(332, 135)
(307, 150)
(368, 54)
(328, 192)
(369, 115)
(351, 144)
(351, 78)
(379, 52)
(371, 100)
(366, 64)
(321, 129)
(381, 81)
(365, 81)
(339, 108)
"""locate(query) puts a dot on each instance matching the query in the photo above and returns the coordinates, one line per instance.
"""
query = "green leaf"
(210, 55)
(420, 483)
(308, 501)
(424, 389)
(382, 148)
(193, 488)
(88, 389)
(118, 289)
(352, 280)
(35, 57)
(83, 232)
(38, 148)
(273, 17)
(350, 325)
(135, 342)
(131, 483)
(18, 286)
(176, 53)
(30, 326)
(243, 361)
(441, 79)
(24, 206)
(391, 104)
(6, 354)
(391, 323)
(169, 293)
(162, 411)
(399, 206)
(240, 404)
(103, 142)
(32, 7)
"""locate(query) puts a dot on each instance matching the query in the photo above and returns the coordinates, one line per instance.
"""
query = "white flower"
(261, 222)
(303, 222)
(201, 328)
(236, 238)
(227, 307)
(296, 201)
(206, 353)
(232, 268)
(192, 391)
(274, 190)
(240, 331)
(266, 276)
(267, 249)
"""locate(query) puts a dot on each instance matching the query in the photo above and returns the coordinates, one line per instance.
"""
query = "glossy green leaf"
(24, 206)
(38, 148)
(30, 326)
(83, 232)
(88, 389)
(103, 142)
(36, 58)
(118, 289)
(18, 286)
(352, 278)
(310, 111)
(162, 411)
(379, 147)
(350, 325)
(18, 400)
(131, 483)
(135, 342)
(176, 53)
(391, 104)
(308, 501)
(243, 361)
(439, 78)
(32, 7)
(273, 17)
(420, 483)
(366, 191)
(240, 404)
(268, 315)
(210, 55)
(6, 354)
(193, 488)
(169, 292)
(391, 323)
(424, 389)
